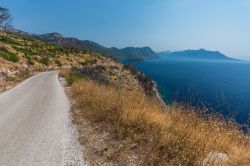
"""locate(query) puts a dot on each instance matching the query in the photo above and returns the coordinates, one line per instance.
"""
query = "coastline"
(154, 89)
(158, 94)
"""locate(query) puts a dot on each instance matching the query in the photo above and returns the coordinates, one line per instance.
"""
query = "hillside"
(200, 54)
(22, 56)
(128, 53)
(134, 53)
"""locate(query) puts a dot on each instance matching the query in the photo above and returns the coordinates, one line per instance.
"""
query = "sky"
(221, 25)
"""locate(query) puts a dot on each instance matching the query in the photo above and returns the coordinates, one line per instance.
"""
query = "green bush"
(58, 62)
(17, 48)
(30, 60)
(27, 51)
(72, 77)
(27, 38)
(45, 60)
(89, 62)
(8, 40)
(8, 55)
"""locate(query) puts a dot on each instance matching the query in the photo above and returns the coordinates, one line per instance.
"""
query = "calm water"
(221, 86)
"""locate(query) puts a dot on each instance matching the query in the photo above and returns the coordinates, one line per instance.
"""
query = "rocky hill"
(128, 53)
(22, 55)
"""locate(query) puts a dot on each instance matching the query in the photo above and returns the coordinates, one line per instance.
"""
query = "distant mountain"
(164, 53)
(200, 54)
(20, 32)
(51, 37)
(128, 53)
(136, 53)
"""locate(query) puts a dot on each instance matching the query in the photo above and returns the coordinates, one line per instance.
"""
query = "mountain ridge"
(127, 53)
(135, 53)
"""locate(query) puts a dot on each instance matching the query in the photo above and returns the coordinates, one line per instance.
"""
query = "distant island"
(200, 54)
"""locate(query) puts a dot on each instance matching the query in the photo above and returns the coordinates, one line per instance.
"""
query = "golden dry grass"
(171, 136)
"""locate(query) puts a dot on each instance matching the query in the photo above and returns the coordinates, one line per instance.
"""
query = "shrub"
(8, 40)
(29, 60)
(45, 60)
(23, 74)
(96, 73)
(73, 77)
(8, 55)
(27, 51)
(146, 82)
(16, 48)
(89, 62)
(58, 62)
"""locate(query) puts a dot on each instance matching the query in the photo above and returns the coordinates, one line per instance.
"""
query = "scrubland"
(171, 135)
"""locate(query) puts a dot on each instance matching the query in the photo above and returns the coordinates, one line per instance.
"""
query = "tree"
(5, 17)
(8, 25)
(5, 20)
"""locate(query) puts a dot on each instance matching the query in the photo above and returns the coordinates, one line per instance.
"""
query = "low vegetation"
(175, 135)
(147, 84)
(20, 53)
(8, 55)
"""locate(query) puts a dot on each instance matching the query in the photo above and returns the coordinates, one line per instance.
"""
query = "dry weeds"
(166, 136)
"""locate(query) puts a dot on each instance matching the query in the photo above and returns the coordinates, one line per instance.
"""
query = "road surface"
(35, 125)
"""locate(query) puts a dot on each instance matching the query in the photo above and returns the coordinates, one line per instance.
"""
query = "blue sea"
(221, 86)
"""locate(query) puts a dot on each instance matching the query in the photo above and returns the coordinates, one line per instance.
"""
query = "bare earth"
(35, 125)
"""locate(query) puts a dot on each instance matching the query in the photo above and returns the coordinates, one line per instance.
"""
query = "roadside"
(99, 145)
(8, 80)
(123, 126)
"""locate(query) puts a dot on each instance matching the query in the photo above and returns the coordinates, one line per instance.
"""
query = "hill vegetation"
(128, 53)
(21, 54)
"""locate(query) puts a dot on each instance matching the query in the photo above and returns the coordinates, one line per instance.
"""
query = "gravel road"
(35, 125)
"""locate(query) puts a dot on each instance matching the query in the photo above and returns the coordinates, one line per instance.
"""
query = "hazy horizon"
(160, 24)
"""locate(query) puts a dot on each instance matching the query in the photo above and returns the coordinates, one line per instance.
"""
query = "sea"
(220, 86)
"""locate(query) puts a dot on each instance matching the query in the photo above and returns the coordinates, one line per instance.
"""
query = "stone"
(213, 158)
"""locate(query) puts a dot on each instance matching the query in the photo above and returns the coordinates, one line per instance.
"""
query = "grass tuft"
(8, 55)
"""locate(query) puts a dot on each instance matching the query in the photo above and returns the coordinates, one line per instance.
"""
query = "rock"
(133, 146)
(25, 66)
(213, 158)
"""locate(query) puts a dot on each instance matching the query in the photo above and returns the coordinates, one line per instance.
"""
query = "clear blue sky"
(222, 25)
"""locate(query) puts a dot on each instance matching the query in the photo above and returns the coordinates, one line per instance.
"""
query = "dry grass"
(166, 136)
